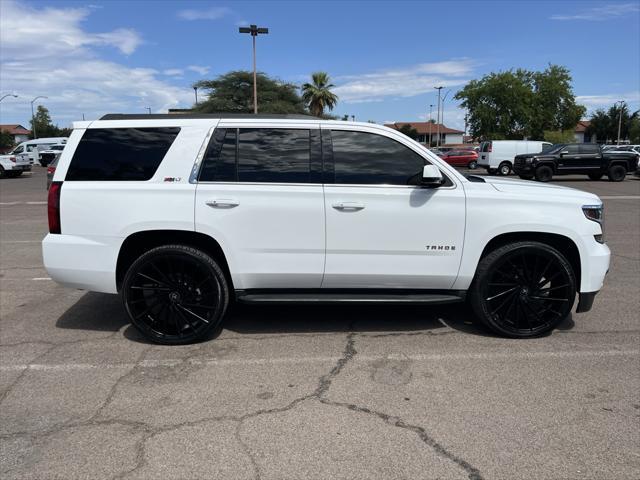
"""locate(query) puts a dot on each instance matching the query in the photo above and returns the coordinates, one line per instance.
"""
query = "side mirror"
(564, 152)
(431, 176)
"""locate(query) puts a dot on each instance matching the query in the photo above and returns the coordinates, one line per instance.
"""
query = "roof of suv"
(170, 116)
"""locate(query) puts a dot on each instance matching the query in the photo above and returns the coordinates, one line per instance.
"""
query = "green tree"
(520, 103)
(559, 136)
(499, 104)
(345, 118)
(318, 95)
(634, 129)
(6, 140)
(554, 104)
(233, 93)
(409, 131)
(604, 123)
(42, 125)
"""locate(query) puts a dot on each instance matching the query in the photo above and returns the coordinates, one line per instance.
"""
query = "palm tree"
(318, 95)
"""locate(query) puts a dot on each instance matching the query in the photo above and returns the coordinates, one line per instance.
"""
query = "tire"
(526, 177)
(616, 173)
(544, 173)
(472, 165)
(511, 291)
(595, 176)
(182, 287)
(504, 169)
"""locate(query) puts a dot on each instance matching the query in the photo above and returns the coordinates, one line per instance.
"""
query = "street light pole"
(442, 113)
(8, 95)
(621, 102)
(148, 108)
(195, 89)
(33, 117)
(430, 123)
(254, 30)
(438, 119)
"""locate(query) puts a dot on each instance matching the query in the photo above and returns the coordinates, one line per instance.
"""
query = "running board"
(353, 298)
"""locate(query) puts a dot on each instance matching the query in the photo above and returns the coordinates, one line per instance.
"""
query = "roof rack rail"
(167, 116)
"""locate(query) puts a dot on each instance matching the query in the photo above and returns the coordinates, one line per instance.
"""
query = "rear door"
(260, 195)
(590, 156)
(383, 230)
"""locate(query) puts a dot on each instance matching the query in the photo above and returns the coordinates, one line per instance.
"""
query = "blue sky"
(385, 57)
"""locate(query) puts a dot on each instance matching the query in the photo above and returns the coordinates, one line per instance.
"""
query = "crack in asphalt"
(319, 394)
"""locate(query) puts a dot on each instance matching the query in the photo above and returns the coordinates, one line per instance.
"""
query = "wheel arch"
(138, 243)
(562, 243)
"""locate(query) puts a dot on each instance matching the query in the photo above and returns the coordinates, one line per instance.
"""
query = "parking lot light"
(8, 95)
(254, 30)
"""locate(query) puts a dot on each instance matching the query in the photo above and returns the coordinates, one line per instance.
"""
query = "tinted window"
(367, 158)
(589, 149)
(219, 164)
(484, 146)
(273, 155)
(570, 149)
(120, 153)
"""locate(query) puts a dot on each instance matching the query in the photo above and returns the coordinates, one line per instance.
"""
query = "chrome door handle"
(223, 203)
(348, 206)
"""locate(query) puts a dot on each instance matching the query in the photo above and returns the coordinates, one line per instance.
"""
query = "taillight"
(53, 207)
(51, 170)
(13, 159)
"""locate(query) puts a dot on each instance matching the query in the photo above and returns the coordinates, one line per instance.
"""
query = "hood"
(528, 187)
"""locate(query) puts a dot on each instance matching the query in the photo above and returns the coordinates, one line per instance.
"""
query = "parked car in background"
(461, 158)
(50, 154)
(13, 165)
(497, 155)
(51, 170)
(576, 158)
(290, 209)
(36, 146)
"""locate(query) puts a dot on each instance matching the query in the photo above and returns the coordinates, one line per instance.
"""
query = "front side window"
(111, 154)
(371, 159)
(571, 149)
(589, 149)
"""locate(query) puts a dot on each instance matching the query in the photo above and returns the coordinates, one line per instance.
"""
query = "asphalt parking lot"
(308, 392)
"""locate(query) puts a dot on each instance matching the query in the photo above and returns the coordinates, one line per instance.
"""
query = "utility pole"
(254, 31)
(33, 117)
(430, 123)
(148, 108)
(195, 89)
(442, 113)
(438, 119)
(621, 102)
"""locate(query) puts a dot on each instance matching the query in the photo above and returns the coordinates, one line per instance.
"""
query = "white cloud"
(213, 13)
(69, 70)
(605, 12)
(607, 99)
(173, 72)
(404, 82)
(202, 70)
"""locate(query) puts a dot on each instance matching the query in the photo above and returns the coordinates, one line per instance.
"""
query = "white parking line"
(65, 367)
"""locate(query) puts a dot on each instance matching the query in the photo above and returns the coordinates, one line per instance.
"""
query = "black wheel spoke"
(149, 287)
(184, 309)
(153, 279)
(550, 299)
(501, 294)
(186, 319)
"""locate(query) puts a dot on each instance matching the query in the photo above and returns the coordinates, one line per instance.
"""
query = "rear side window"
(110, 154)
(369, 159)
(484, 146)
(589, 149)
(265, 155)
(273, 155)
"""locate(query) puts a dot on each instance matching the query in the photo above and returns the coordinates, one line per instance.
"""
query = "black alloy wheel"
(175, 294)
(617, 173)
(523, 289)
(544, 173)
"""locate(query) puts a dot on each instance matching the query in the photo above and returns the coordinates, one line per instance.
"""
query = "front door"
(260, 196)
(570, 159)
(383, 230)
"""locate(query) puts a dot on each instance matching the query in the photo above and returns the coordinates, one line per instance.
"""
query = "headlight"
(595, 213)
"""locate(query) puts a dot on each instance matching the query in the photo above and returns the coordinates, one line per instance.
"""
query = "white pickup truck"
(12, 165)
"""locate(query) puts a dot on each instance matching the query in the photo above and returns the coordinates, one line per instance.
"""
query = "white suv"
(183, 214)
